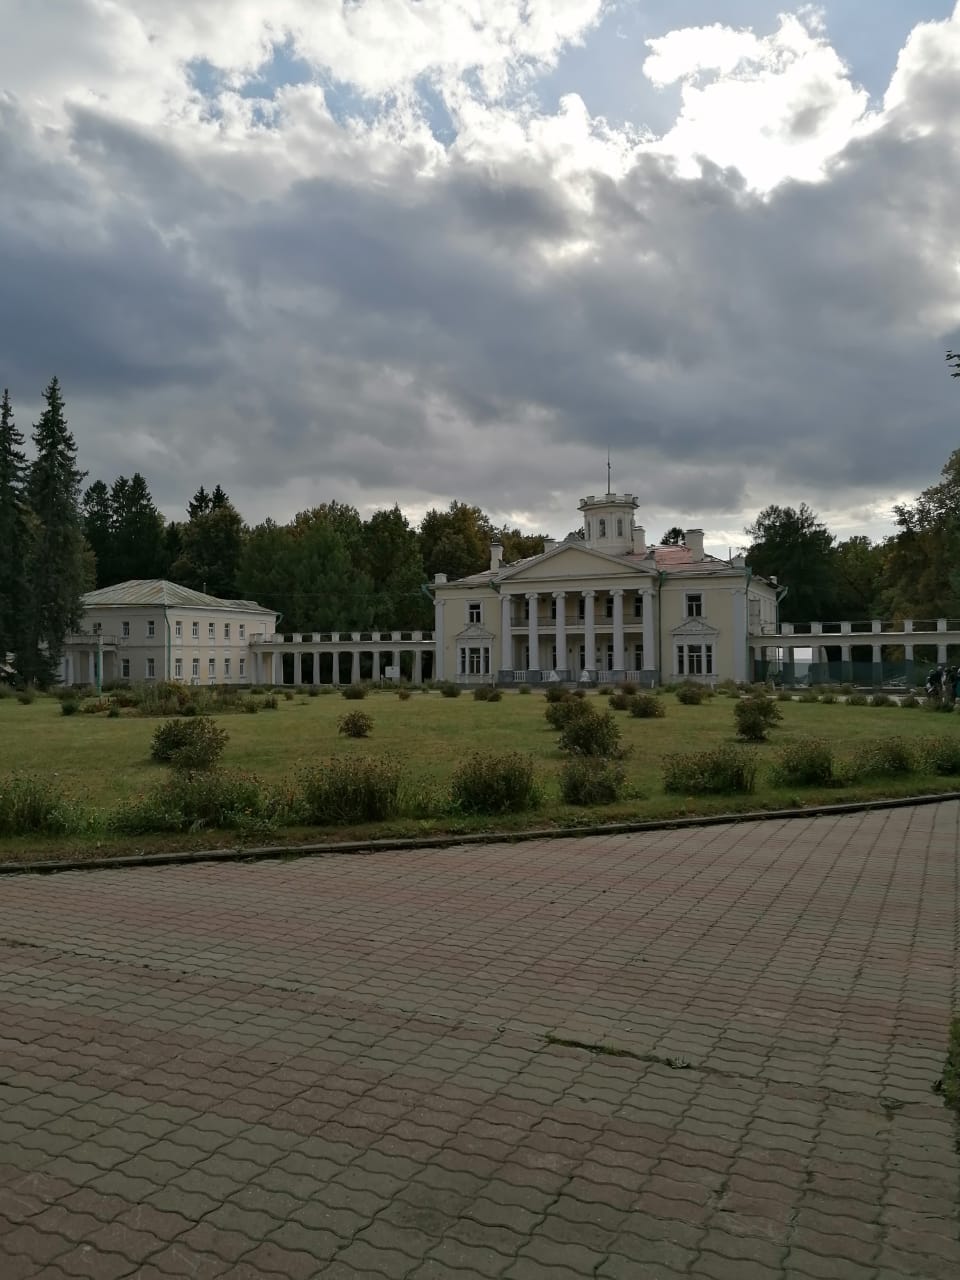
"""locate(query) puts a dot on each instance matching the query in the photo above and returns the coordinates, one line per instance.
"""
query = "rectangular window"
(474, 612)
(125, 668)
(638, 606)
(243, 667)
(124, 628)
(694, 659)
(178, 668)
(708, 659)
(608, 606)
(553, 608)
(226, 631)
(151, 629)
(619, 526)
(475, 661)
(226, 666)
(195, 668)
(609, 657)
(581, 609)
(638, 657)
(602, 528)
(195, 630)
(211, 667)
(211, 631)
(243, 632)
(151, 668)
(526, 609)
(583, 657)
(694, 604)
(97, 628)
(680, 670)
(178, 630)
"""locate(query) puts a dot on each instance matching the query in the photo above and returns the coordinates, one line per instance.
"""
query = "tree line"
(330, 569)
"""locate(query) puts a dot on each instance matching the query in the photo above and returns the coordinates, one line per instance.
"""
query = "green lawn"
(101, 761)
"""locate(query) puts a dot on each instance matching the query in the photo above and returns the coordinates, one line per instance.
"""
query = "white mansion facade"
(598, 607)
(603, 606)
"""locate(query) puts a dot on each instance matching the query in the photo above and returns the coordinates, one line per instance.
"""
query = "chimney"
(639, 540)
(439, 579)
(694, 540)
(496, 556)
(549, 544)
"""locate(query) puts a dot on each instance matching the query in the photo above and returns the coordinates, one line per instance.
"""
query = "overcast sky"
(416, 250)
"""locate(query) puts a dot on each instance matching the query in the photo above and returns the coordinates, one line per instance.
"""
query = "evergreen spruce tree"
(57, 559)
(14, 530)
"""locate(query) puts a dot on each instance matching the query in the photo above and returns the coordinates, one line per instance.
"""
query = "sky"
(409, 251)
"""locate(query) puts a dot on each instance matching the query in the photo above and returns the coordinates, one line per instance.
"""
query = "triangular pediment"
(575, 561)
(474, 632)
(694, 627)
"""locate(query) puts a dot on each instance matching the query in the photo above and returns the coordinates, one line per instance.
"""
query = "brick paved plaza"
(349, 1066)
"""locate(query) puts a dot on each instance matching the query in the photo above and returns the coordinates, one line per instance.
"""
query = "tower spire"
(609, 490)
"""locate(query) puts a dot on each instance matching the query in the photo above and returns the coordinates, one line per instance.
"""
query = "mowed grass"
(101, 761)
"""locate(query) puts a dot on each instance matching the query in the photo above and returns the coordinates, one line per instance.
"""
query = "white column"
(418, 666)
(908, 652)
(335, 673)
(649, 656)
(741, 661)
(561, 599)
(298, 666)
(276, 676)
(316, 667)
(506, 634)
(618, 659)
(438, 606)
(355, 667)
(376, 664)
(533, 634)
(590, 632)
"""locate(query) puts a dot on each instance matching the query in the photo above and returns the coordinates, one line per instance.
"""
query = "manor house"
(603, 605)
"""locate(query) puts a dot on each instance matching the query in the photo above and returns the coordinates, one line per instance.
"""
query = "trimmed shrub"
(355, 724)
(805, 763)
(271, 702)
(856, 699)
(33, 806)
(808, 695)
(313, 691)
(882, 700)
(482, 692)
(495, 784)
(592, 733)
(524, 688)
(784, 695)
(288, 695)
(628, 687)
(250, 706)
(911, 701)
(559, 714)
(755, 716)
(828, 697)
(404, 695)
(847, 689)
(26, 696)
(353, 692)
(349, 790)
(449, 690)
(69, 707)
(591, 781)
(883, 758)
(620, 701)
(556, 693)
(691, 695)
(725, 769)
(728, 689)
(192, 801)
(189, 744)
(114, 712)
(647, 706)
(940, 755)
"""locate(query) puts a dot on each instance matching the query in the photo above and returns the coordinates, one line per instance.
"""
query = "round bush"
(856, 699)
(495, 784)
(450, 690)
(883, 758)
(349, 790)
(591, 781)
(559, 714)
(647, 706)
(355, 724)
(196, 743)
(691, 695)
(805, 763)
(353, 692)
(940, 755)
(882, 700)
(620, 701)
(69, 707)
(404, 695)
(755, 715)
(723, 770)
(591, 733)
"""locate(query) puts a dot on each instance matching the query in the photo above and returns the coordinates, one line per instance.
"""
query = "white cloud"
(774, 107)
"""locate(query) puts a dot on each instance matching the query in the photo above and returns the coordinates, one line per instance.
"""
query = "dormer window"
(602, 532)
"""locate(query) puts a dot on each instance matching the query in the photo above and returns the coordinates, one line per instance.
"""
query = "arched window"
(619, 526)
(603, 528)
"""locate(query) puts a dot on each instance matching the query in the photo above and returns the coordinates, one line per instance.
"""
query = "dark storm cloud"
(450, 335)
